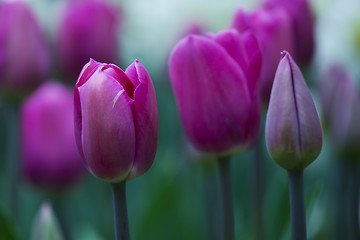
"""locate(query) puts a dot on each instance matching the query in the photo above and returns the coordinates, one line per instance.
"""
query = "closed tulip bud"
(50, 157)
(116, 120)
(45, 225)
(273, 28)
(214, 79)
(344, 113)
(293, 131)
(327, 89)
(302, 26)
(24, 57)
(88, 29)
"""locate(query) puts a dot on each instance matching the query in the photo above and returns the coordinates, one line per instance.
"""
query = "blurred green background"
(169, 201)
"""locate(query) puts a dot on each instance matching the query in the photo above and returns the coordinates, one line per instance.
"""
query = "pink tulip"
(273, 28)
(50, 157)
(116, 120)
(302, 26)
(88, 29)
(24, 57)
(340, 100)
(214, 79)
(293, 131)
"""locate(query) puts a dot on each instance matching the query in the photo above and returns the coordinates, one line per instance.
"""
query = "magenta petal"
(108, 134)
(87, 71)
(211, 93)
(146, 119)
(293, 131)
(230, 40)
(253, 56)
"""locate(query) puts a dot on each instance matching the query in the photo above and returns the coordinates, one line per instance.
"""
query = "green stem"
(12, 160)
(120, 211)
(257, 191)
(225, 200)
(210, 205)
(353, 201)
(297, 206)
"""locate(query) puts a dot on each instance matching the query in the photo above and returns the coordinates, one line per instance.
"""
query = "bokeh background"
(169, 201)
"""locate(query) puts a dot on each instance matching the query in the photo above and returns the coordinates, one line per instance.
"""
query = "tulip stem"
(297, 206)
(120, 211)
(353, 201)
(225, 200)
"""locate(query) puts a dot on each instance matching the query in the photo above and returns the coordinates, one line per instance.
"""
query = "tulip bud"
(273, 28)
(327, 89)
(213, 78)
(24, 58)
(116, 120)
(81, 37)
(343, 112)
(50, 157)
(45, 225)
(302, 26)
(293, 131)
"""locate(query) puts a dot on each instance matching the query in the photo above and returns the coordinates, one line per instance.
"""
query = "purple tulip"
(273, 28)
(293, 131)
(24, 57)
(88, 29)
(116, 120)
(50, 157)
(343, 112)
(302, 26)
(214, 79)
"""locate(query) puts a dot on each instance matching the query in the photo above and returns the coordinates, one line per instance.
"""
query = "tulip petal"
(293, 131)
(146, 119)
(108, 134)
(211, 93)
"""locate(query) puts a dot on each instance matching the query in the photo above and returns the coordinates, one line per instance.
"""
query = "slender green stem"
(210, 210)
(257, 173)
(225, 200)
(120, 211)
(60, 209)
(353, 201)
(12, 160)
(297, 206)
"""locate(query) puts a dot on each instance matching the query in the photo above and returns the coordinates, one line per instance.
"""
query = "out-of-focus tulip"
(50, 157)
(273, 28)
(45, 225)
(214, 79)
(88, 29)
(343, 112)
(24, 57)
(302, 25)
(327, 89)
(293, 131)
(116, 120)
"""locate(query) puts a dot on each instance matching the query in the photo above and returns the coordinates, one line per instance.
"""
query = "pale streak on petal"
(117, 97)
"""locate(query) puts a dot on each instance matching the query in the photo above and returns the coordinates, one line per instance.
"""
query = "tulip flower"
(215, 89)
(214, 78)
(81, 37)
(293, 134)
(293, 131)
(24, 57)
(50, 159)
(302, 26)
(273, 28)
(116, 125)
(342, 108)
(125, 146)
(340, 101)
(45, 225)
